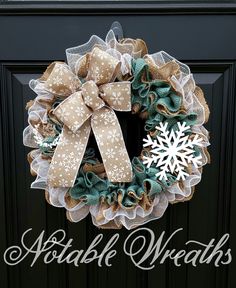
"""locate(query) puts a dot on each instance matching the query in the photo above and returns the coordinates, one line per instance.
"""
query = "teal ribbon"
(143, 87)
(150, 94)
(91, 189)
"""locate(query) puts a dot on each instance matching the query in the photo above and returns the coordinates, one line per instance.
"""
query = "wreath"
(77, 101)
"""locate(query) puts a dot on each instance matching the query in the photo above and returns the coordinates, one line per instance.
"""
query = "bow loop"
(73, 112)
(60, 80)
(103, 68)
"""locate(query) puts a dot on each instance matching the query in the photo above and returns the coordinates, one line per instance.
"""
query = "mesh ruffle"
(102, 214)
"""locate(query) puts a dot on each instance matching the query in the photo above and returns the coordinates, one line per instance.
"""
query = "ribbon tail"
(108, 134)
(68, 156)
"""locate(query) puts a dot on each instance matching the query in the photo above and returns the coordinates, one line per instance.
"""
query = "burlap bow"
(86, 106)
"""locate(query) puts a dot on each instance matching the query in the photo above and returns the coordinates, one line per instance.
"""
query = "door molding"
(114, 7)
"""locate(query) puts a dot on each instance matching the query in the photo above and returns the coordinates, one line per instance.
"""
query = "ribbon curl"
(89, 106)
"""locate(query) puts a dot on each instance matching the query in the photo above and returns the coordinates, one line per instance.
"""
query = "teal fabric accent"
(89, 156)
(143, 88)
(91, 189)
(151, 94)
(88, 187)
(47, 151)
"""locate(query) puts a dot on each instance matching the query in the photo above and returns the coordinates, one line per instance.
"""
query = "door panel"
(204, 41)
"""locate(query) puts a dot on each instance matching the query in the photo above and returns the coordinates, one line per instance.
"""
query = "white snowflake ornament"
(172, 151)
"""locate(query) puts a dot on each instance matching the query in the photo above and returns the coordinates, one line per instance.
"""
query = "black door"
(199, 34)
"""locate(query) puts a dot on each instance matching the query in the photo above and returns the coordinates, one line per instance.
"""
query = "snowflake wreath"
(76, 101)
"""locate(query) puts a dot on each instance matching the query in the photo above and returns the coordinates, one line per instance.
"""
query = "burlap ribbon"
(89, 105)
